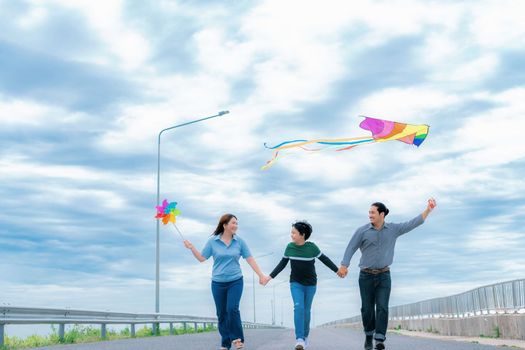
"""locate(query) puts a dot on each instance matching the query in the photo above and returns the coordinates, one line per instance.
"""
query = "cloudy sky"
(86, 86)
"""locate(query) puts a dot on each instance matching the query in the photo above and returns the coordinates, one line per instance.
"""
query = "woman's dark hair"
(225, 219)
(304, 228)
(381, 208)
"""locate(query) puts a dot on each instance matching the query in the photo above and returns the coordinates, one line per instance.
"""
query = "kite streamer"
(168, 212)
(382, 130)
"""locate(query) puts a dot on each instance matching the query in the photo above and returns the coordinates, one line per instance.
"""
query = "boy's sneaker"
(380, 345)
(369, 342)
(300, 344)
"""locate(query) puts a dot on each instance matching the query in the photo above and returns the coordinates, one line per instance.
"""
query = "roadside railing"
(505, 297)
(499, 298)
(11, 315)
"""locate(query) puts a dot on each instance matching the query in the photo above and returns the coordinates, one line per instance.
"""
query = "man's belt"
(376, 271)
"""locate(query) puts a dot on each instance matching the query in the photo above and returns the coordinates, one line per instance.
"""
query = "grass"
(88, 334)
(496, 333)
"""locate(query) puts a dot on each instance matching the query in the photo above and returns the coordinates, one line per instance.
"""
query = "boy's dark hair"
(304, 228)
(381, 208)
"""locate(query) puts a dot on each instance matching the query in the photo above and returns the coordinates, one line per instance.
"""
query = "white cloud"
(35, 17)
(121, 40)
(498, 25)
(183, 99)
(494, 137)
(15, 112)
(493, 233)
(414, 105)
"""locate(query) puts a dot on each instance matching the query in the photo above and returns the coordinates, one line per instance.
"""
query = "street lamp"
(253, 283)
(157, 275)
(273, 300)
(282, 302)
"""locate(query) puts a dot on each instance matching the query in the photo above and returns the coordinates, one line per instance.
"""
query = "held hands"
(342, 272)
(264, 280)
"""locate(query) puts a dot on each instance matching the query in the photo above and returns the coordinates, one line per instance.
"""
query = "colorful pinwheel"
(168, 212)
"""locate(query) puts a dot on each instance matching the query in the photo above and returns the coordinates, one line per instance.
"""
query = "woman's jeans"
(375, 293)
(227, 296)
(303, 297)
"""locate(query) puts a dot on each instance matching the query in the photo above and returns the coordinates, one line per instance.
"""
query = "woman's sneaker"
(306, 343)
(300, 345)
(237, 343)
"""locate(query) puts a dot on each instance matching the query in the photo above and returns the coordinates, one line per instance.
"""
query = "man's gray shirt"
(377, 246)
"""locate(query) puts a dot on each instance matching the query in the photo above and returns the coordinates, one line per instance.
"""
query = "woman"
(227, 247)
(303, 279)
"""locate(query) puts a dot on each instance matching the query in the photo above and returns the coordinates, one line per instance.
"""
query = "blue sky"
(86, 86)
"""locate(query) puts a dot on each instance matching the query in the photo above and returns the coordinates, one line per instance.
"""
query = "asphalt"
(274, 339)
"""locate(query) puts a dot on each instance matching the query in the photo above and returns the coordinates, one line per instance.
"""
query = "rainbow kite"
(168, 212)
(382, 130)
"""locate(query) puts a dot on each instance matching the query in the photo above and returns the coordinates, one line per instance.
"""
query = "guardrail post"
(196, 327)
(515, 296)
(185, 326)
(487, 308)
(61, 331)
(133, 330)
(171, 328)
(103, 331)
(2, 334)
(504, 298)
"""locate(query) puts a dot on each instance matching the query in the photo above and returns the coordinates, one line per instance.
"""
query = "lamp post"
(157, 274)
(253, 283)
(282, 303)
(273, 300)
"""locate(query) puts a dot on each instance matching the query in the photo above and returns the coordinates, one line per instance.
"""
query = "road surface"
(273, 339)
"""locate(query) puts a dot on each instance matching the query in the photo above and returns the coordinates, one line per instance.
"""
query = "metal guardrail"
(27, 315)
(504, 297)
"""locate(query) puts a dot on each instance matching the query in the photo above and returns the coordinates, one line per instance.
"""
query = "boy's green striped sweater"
(302, 263)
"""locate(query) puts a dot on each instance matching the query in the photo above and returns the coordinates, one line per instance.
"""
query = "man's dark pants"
(375, 294)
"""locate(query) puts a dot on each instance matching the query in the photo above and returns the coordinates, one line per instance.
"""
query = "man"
(376, 242)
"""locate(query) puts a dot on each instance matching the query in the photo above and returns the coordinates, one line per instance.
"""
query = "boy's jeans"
(303, 297)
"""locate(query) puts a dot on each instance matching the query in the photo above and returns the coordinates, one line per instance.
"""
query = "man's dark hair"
(381, 208)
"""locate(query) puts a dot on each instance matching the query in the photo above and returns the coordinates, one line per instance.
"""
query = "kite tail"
(271, 162)
(283, 143)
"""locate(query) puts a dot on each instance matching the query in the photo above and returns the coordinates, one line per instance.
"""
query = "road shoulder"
(485, 341)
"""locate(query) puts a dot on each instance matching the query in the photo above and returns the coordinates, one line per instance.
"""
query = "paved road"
(266, 339)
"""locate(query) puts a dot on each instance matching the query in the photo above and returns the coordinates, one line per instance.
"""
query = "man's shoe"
(369, 342)
(380, 345)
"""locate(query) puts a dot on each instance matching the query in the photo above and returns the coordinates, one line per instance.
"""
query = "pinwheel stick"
(180, 233)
